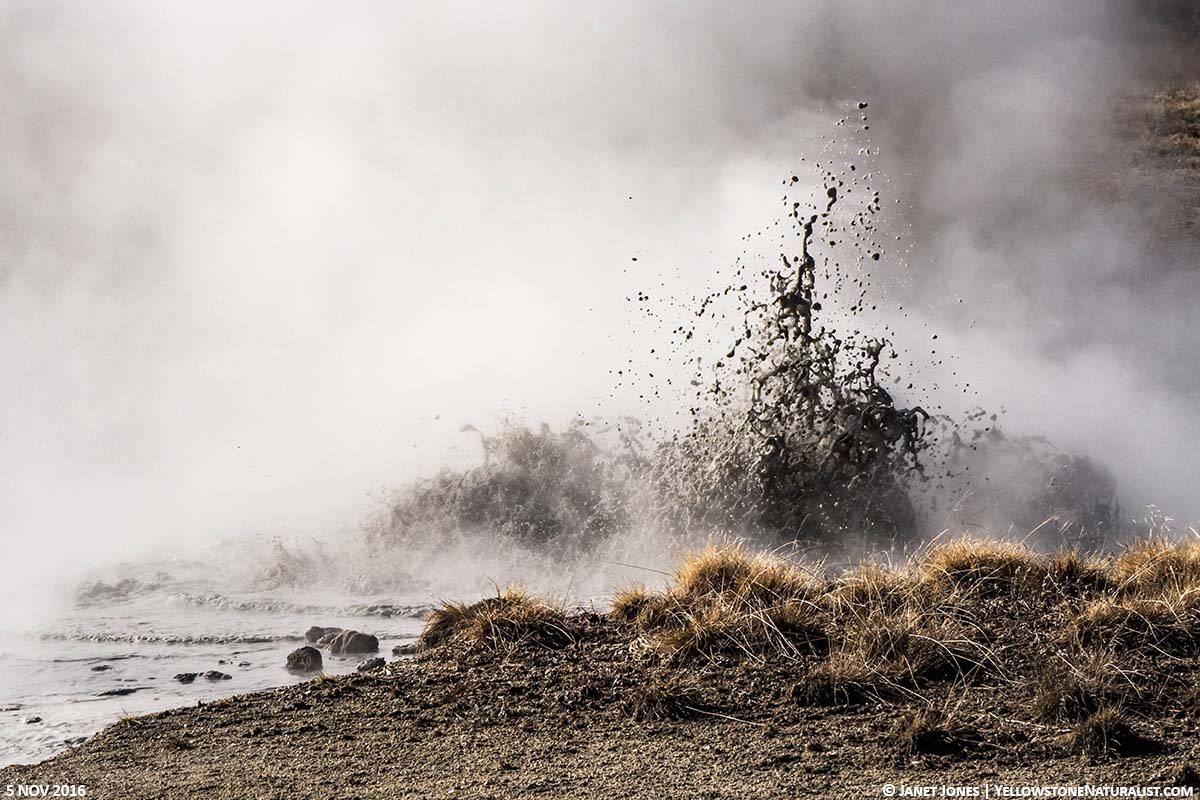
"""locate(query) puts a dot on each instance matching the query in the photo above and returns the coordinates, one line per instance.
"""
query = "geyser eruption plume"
(794, 439)
(799, 436)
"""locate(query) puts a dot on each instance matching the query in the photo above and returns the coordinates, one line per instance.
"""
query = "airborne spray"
(798, 437)
(792, 438)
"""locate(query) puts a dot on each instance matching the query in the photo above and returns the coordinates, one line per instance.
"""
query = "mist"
(258, 265)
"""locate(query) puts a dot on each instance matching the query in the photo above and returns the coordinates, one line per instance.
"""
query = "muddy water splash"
(792, 435)
(793, 438)
(796, 437)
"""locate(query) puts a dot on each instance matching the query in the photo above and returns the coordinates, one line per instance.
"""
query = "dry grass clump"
(1167, 624)
(915, 622)
(661, 698)
(1073, 687)
(726, 601)
(1156, 566)
(993, 567)
(716, 629)
(873, 586)
(1177, 124)
(639, 605)
(1074, 572)
(1151, 602)
(510, 619)
(842, 680)
(729, 570)
(929, 732)
(1107, 732)
(914, 644)
(982, 565)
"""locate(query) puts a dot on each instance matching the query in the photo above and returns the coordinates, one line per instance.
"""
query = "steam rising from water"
(258, 263)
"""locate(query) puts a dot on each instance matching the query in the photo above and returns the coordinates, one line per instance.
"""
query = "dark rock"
(217, 675)
(102, 668)
(305, 659)
(352, 643)
(243, 663)
(316, 633)
(370, 664)
(32, 720)
(187, 677)
(409, 649)
(121, 692)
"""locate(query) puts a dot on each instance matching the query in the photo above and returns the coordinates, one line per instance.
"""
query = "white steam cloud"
(259, 261)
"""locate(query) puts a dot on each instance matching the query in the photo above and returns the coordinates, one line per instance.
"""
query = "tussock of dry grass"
(671, 697)
(871, 585)
(727, 601)
(714, 629)
(1073, 571)
(510, 619)
(1106, 732)
(1155, 566)
(1073, 687)
(915, 645)
(982, 565)
(731, 572)
(841, 680)
(929, 732)
(1176, 123)
(918, 620)
(630, 603)
(1167, 624)
(1074, 632)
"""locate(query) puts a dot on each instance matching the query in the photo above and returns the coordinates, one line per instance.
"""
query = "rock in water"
(351, 643)
(187, 677)
(305, 659)
(316, 633)
(217, 675)
(409, 649)
(370, 664)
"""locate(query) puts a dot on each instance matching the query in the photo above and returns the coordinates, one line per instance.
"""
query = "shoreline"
(411, 731)
(79, 685)
(513, 697)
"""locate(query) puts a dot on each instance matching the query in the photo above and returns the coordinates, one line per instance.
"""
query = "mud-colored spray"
(793, 439)
(806, 430)
(799, 438)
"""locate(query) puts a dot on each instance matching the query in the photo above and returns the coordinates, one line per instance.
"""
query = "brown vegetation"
(1066, 639)
(510, 619)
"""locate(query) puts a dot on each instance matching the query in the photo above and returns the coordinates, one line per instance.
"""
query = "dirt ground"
(565, 724)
